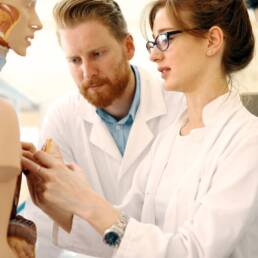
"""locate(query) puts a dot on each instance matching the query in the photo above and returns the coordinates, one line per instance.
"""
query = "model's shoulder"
(8, 117)
(6, 109)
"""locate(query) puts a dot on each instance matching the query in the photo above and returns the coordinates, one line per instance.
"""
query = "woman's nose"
(155, 54)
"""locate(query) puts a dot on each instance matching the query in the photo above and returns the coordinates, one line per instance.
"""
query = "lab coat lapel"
(157, 170)
(152, 105)
(141, 136)
(99, 134)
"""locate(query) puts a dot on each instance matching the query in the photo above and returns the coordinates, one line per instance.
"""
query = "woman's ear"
(215, 41)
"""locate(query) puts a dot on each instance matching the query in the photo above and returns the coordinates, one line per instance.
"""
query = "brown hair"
(230, 15)
(69, 13)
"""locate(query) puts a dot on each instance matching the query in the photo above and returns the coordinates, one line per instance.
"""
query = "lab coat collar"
(213, 110)
(152, 105)
(224, 102)
(99, 134)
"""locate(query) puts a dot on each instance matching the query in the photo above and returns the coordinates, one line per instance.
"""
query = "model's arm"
(9, 169)
(9, 141)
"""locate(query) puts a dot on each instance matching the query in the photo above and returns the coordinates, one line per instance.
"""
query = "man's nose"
(88, 69)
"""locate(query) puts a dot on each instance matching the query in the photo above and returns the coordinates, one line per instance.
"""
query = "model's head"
(202, 34)
(18, 23)
(94, 37)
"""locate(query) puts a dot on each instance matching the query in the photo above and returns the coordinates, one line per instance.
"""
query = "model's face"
(98, 62)
(18, 23)
(182, 63)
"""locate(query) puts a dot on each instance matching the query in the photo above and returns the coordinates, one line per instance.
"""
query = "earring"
(209, 52)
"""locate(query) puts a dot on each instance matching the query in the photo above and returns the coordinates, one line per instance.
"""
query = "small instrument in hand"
(47, 147)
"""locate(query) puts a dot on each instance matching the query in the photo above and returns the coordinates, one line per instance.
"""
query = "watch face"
(112, 238)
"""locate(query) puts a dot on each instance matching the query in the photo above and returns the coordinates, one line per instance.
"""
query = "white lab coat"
(84, 138)
(214, 211)
(217, 197)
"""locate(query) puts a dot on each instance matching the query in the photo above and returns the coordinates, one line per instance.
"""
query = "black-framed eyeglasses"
(162, 40)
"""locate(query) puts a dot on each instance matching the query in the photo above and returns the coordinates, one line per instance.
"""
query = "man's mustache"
(94, 82)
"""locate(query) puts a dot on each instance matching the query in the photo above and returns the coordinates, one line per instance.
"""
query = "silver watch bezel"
(118, 229)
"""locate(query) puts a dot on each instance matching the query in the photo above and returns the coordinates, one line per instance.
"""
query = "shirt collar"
(133, 108)
(3, 52)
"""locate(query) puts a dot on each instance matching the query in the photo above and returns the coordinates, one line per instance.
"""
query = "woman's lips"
(164, 71)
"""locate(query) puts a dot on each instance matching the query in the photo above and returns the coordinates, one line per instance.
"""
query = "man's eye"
(97, 54)
(74, 60)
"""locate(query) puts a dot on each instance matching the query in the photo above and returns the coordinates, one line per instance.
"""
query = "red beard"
(101, 91)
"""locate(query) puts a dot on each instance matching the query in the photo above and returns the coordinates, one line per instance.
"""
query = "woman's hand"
(28, 149)
(56, 185)
(51, 182)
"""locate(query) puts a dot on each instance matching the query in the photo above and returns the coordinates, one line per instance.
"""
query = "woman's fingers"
(46, 160)
(27, 146)
(27, 154)
(73, 166)
(34, 168)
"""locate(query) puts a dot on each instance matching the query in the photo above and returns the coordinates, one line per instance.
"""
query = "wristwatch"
(113, 235)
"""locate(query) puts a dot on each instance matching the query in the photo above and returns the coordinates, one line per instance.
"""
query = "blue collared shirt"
(3, 53)
(120, 129)
(2, 62)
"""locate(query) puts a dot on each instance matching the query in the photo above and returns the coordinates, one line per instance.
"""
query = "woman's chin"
(169, 86)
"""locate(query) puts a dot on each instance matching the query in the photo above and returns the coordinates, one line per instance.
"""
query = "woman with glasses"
(196, 194)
